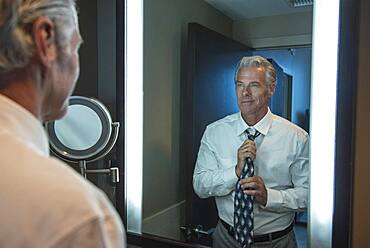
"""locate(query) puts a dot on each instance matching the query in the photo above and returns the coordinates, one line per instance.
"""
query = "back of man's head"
(17, 44)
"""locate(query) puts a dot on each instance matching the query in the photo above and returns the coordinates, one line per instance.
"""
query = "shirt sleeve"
(295, 198)
(95, 233)
(210, 178)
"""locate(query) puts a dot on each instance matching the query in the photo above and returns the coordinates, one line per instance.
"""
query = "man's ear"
(271, 89)
(44, 36)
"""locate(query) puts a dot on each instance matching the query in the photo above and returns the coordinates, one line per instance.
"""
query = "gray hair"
(259, 62)
(16, 19)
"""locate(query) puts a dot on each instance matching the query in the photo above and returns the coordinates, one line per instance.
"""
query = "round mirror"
(84, 133)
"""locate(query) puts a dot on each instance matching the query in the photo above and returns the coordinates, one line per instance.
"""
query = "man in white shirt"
(44, 203)
(280, 154)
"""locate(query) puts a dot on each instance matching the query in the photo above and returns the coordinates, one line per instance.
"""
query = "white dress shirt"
(281, 161)
(44, 202)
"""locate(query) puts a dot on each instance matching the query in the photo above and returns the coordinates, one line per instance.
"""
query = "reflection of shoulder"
(225, 121)
(289, 127)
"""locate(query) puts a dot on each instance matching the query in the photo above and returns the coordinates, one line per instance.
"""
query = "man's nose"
(246, 90)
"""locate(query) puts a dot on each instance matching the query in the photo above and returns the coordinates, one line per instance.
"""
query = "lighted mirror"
(158, 38)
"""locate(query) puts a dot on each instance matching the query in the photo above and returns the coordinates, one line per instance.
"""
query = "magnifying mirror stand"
(112, 171)
(85, 134)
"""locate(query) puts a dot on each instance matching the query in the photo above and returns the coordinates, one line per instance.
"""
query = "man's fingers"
(251, 192)
(245, 153)
(252, 185)
(248, 145)
(255, 186)
(256, 179)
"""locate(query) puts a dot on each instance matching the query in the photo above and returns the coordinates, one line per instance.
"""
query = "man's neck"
(24, 94)
(253, 118)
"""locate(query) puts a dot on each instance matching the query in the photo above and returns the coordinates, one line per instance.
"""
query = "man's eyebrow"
(252, 82)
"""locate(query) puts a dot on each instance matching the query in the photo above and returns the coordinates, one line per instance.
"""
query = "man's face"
(252, 92)
(64, 78)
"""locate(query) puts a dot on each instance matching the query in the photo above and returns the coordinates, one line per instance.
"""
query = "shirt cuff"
(229, 177)
(274, 199)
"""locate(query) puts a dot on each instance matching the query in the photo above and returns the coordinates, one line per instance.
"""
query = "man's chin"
(246, 105)
(253, 111)
(56, 115)
(247, 108)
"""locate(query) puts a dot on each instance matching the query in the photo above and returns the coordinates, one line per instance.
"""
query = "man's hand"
(255, 186)
(247, 149)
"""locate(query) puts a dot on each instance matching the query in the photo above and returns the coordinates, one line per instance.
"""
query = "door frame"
(188, 143)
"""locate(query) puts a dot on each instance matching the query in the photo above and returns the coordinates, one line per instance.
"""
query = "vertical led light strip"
(323, 116)
(134, 113)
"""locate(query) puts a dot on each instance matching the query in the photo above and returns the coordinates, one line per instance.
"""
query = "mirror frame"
(341, 141)
(347, 76)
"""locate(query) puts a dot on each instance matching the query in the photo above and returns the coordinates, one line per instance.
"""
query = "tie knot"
(252, 133)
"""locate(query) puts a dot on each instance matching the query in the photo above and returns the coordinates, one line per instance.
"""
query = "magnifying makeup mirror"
(85, 134)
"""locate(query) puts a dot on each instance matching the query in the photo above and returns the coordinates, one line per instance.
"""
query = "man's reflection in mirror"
(277, 154)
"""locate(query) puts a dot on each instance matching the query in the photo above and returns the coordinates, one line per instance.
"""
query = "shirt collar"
(23, 125)
(262, 126)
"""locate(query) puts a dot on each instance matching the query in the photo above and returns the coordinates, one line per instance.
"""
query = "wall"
(165, 37)
(87, 84)
(361, 194)
(106, 53)
(98, 51)
(97, 68)
(274, 31)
